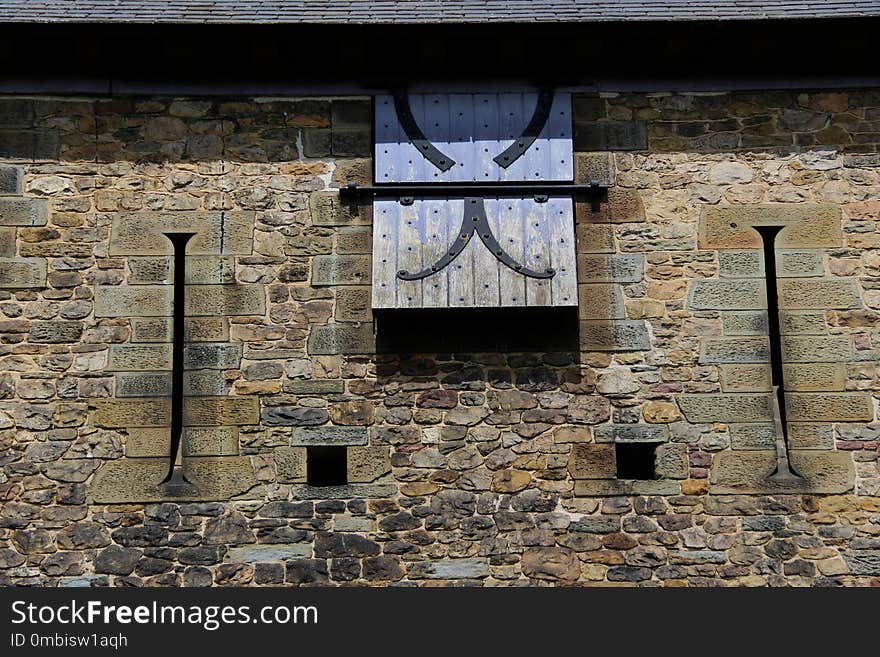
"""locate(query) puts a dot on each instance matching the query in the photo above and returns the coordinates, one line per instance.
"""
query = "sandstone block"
(600, 301)
(829, 406)
(225, 300)
(735, 350)
(810, 435)
(618, 487)
(816, 349)
(746, 473)
(617, 335)
(745, 323)
(216, 233)
(213, 355)
(745, 378)
(367, 464)
(137, 480)
(290, 464)
(741, 264)
(327, 210)
(133, 301)
(11, 180)
(342, 339)
(148, 441)
(671, 461)
(328, 436)
(16, 211)
(315, 386)
(138, 357)
(217, 411)
(806, 226)
(599, 167)
(630, 433)
(22, 273)
(353, 304)
(55, 332)
(611, 136)
(589, 461)
(794, 264)
(794, 322)
(138, 384)
(820, 294)
(814, 377)
(746, 294)
(449, 569)
(354, 240)
(725, 407)
(617, 268)
(341, 270)
(594, 238)
(124, 413)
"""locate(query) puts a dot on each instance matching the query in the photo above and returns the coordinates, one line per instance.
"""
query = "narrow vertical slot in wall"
(176, 483)
(784, 471)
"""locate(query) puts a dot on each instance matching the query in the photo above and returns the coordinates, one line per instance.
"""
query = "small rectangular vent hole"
(635, 460)
(327, 466)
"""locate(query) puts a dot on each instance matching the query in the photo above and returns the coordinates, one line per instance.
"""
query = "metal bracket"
(532, 130)
(474, 220)
(407, 200)
(416, 136)
(595, 190)
(541, 198)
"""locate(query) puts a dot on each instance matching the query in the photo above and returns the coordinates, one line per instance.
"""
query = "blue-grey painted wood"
(472, 129)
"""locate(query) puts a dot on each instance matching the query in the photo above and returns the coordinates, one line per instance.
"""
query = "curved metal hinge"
(474, 220)
(536, 124)
(415, 135)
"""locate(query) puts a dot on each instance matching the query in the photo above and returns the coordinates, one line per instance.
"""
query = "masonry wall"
(463, 468)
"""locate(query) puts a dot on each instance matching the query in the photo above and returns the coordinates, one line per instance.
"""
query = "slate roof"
(421, 11)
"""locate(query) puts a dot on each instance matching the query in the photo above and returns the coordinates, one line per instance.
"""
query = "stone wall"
(480, 469)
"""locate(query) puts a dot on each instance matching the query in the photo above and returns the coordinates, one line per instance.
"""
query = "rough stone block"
(745, 378)
(863, 562)
(617, 335)
(671, 461)
(26, 144)
(793, 322)
(449, 569)
(745, 323)
(217, 411)
(290, 464)
(340, 270)
(139, 384)
(819, 294)
(16, 112)
(133, 301)
(594, 238)
(747, 472)
(599, 167)
(741, 264)
(11, 179)
(618, 268)
(794, 264)
(327, 210)
(746, 294)
(210, 441)
(15, 211)
(124, 413)
(22, 273)
(621, 487)
(315, 387)
(735, 350)
(353, 304)
(814, 377)
(348, 492)
(600, 301)
(829, 406)
(213, 355)
(630, 433)
(367, 464)
(136, 480)
(55, 332)
(225, 300)
(725, 407)
(589, 461)
(752, 436)
(144, 441)
(611, 136)
(138, 357)
(342, 339)
(328, 436)
(143, 233)
(806, 226)
(7, 253)
(817, 349)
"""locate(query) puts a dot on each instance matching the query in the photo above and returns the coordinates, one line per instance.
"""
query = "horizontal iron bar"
(473, 189)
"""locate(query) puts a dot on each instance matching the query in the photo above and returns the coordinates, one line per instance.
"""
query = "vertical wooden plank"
(562, 251)
(461, 270)
(486, 282)
(412, 165)
(384, 253)
(557, 136)
(435, 239)
(537, 251)
(409, 255)
(387, 147)
(511, 123)
(509, 231)
(435, 125)
(486, 138)
(461, 137)
(534, 164)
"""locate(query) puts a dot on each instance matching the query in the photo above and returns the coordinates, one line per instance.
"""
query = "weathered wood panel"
(472, 129)
(414, 237)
